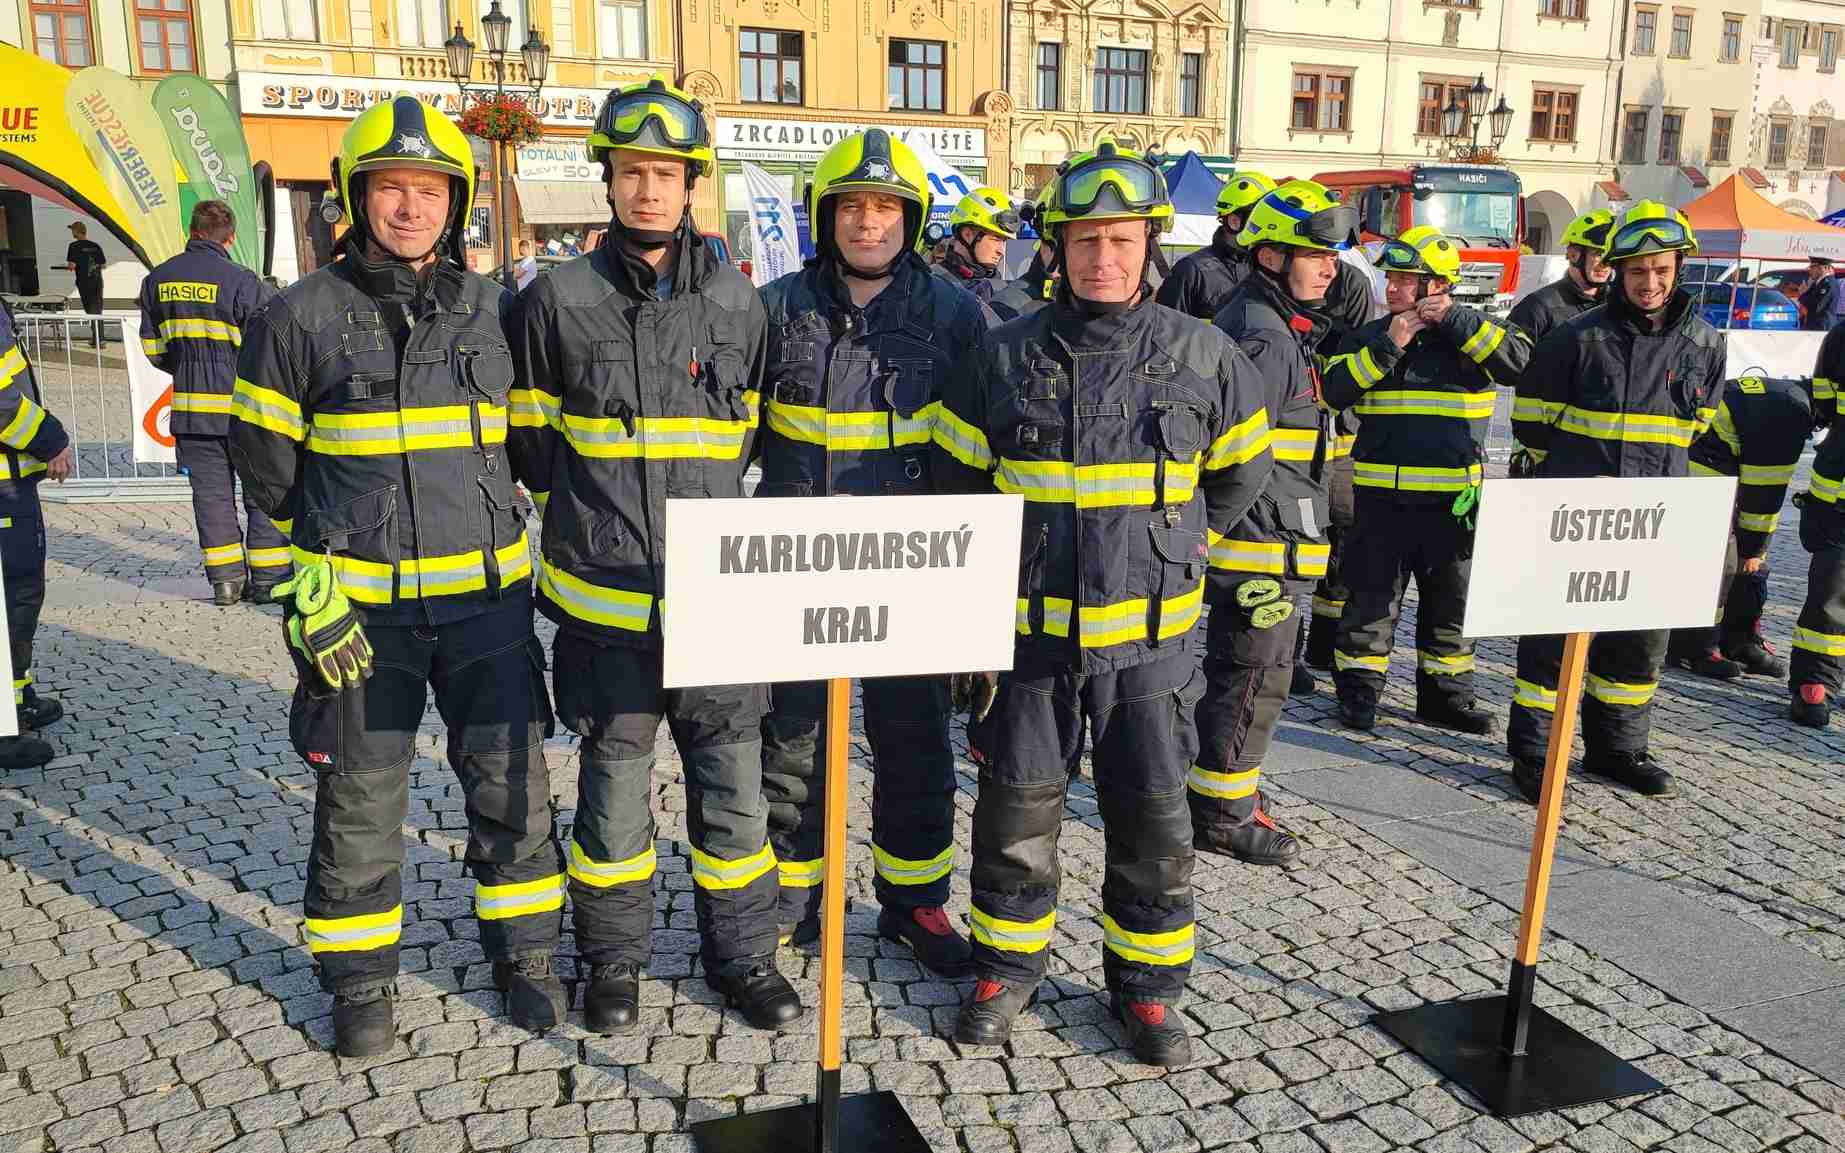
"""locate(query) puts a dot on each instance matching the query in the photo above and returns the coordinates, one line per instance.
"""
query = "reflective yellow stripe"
(1173, 947)
(514, 561)
(659, 437)
(1534, 409)
(1231, 786)
(532, 408)
(1096, 485)
(899, 871)
(1823, 488)
(354, 934)
(1344, 662)
(954, 436)
(1295, 444)
(1628, 427)
(1258, 556)
(1437, 665)
(284, 526)
(405, 430)
(1342, 445)
(28, 466)
(200, 328)
(222, 554)
(11, 365)
(1621, 693)
(1758, 521)
(206, 403)
(851, 431)
(1698, 468)
(1013, 936)
(1532, 695)
(709, 872)
(1814, 641)
(1326, 607)
(1725, 428)
(1824, 388)
(1412, 478)
(1312, 560)
(268, 557)
(1239, 444)
(1484, 340)
(616, 608)
(373, 582)
(1767, 474)
(19, 431)
(1427, 402)
(519, 899)
(153, 346)
(539, 500)
(267, 409)
(801, 874)
(1361, 364)
(602, 874)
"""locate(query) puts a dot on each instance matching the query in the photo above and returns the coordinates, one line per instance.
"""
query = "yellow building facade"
(786, 79)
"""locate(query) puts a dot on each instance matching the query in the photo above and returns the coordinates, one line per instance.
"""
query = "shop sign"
(344, 97)
(771, 138)
(558, 159)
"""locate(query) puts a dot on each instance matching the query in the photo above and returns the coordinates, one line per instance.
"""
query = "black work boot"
(762, 995)
(227, 592)
(25, 752)
(612, 999)
(1757, 656)
(987, 1015)
(1810, 707)
(1461, 716)
(1357, 714)
(1708, 662)
(930, 936)
(534, 995)
(1303, 684)
(364, 1024)
(1528, 775)
(1154, 1032)
(1637, 771)
(260, 594)
(36, 712)
(1259, 841)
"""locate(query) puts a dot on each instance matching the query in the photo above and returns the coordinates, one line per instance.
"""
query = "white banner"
(1787, 355)
(344, 97)
(947, 183)
(808, 588)
(150, 392)
(777, 249)
(1603, 554)
(558, 159)
(781, 137)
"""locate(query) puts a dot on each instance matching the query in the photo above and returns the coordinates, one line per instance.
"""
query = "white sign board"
(1784, 355)
(150, 393)
(1605, 554)
(558, 159)
(784, 138)
(344, 97)
(808, 588)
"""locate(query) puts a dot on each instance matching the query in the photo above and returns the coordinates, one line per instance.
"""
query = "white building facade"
(1796, 125)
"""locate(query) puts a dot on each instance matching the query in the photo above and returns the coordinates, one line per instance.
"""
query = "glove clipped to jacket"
(322, 627)
(973, 693)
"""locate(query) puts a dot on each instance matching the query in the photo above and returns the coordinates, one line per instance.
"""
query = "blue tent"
(1837, 219)
(1194, 190)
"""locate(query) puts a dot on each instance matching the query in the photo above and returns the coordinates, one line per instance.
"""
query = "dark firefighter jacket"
(1550, 306)
(1822, 516)
(1136, 439)
(193, 309)
(29, 436)
(1757, 436)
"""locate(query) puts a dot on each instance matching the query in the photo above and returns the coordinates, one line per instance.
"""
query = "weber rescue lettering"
(1603, 585)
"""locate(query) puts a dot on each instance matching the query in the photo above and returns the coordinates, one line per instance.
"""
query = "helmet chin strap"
(1595, 290)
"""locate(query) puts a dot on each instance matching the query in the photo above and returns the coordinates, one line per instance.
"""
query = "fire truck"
(1481, 205)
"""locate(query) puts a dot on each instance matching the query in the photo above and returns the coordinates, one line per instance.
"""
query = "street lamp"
(1460, 123)
(496, 28)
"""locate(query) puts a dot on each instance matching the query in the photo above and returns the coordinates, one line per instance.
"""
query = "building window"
(1828, 49)
(1720, 123)
(1816, 146)
(1050, 76)
(1564, 9)
(1681, 35)
(771, 66)
(164, 29)
(1553, 115)
(421, 23)
(1121, 80)
(1731, 48)
(917, 74)
(1671, 129)
(1777, 144)
(287, 20)
(1646, 21)
(1435, 95)
(621, 29)
(61, 30)
(1320, 101)
(1790, 44)
(1191, 82)
(1633, 138)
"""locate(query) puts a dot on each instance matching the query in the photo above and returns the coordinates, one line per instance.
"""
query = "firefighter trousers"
(227, 547)
(1318, 639)
(1246, 671)
(1394, 540)
(1617, 702)
(912, 790)
(22, 560)
(1818, 657)
(610, 695)
(487, 672)
(1741, 599)
(1142, 742)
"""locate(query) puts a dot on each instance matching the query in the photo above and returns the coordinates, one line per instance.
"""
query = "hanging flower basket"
(504, 119)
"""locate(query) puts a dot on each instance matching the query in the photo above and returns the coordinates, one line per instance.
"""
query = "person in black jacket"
(193, 309)
(86, 260)
(1816, 667)
(1583, 286)
(1203, 280)
(1823, 302)
(1621, 390)
(640, 366)
(978, 229)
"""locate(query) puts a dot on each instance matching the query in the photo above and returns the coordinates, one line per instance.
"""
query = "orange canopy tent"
(1734, 220)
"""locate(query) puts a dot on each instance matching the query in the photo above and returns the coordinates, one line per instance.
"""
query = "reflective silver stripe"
(405, 431)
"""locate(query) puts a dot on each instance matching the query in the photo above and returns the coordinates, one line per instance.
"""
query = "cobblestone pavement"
(154, 994)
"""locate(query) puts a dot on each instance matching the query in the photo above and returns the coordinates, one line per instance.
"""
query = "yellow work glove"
(322, 626)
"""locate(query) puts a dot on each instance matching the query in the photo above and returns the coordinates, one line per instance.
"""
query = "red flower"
(505, 119)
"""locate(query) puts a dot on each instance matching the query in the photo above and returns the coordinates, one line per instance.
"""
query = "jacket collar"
(199, 244)
(392, 281)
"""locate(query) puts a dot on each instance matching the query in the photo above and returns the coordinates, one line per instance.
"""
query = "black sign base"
(868, 1123)
(1560, 1068)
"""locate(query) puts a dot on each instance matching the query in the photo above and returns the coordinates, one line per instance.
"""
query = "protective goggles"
(1336, 227)
(1596, 236)
(1399, 257)
(1137, 186)
(677, 124)
(1008, 221)
(1662, 233)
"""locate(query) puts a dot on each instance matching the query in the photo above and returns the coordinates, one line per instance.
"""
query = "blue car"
(1747, 306)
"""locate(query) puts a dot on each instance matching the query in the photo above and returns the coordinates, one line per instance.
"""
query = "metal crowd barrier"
(82, 372)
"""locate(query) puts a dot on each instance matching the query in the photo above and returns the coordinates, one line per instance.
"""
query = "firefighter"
(1422, 382)
(193, 309)
(1622, 390)
(605, 430)
(1279, 549)
(1757, 436)
(369, 420)
(1202, 281)
(1583, 285)
(1816, 668)
(35, 447)
(1032, 290)
(861, 342)
(978, 229)
(1136, 435)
